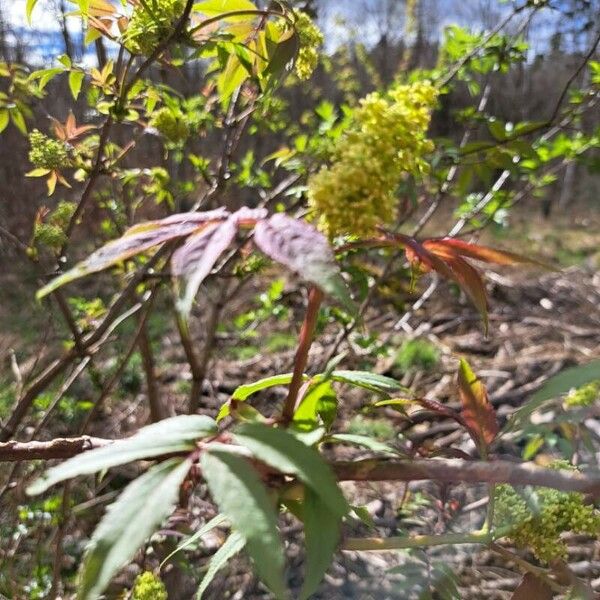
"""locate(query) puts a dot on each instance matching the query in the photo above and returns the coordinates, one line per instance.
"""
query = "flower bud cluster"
(148, 587)
(47, 153)
(51, 232)
(538, 522)
(311, 39)
(583, 396)
(172, 126)
(386, 140)
(151, 23)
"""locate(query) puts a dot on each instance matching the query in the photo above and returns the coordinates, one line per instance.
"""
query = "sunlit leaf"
(75, 80)
(212, 8)
(243, 392)
(306, 415)
(139, 510)
(177, 434)
(239, 493)
(29, 6)
(4, 119)
(18, 120)
(300, 247)
(477, 411)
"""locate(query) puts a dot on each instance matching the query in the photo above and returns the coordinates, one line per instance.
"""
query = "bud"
(47, 153)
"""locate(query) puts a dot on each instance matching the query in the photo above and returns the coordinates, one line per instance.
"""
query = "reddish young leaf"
(137, 239)
(417, 253)
(532, 588)
(300, 247)
(482, 253)
(468, 278)
(477, 411)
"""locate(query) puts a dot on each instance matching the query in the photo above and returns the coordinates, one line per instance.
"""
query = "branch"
(460, 471)
(57, 448)
(444, 470)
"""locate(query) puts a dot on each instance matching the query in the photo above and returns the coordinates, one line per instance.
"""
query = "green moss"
(417, 353)
(376, 428)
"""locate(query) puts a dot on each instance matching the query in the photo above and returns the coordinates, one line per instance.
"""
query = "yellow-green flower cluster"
(148, 587)
(172, 126)
(51, 232)
(537, 524)
(47, 153)
(584, 396)
(151, 23)
(386, 139)
(311, 39)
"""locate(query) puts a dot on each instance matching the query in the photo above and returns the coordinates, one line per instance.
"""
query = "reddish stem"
(315, 297)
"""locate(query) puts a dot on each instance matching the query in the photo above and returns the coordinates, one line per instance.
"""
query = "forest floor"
(540, 323)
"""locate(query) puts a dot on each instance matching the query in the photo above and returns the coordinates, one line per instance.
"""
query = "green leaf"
(241, 496)
(39, 172)
(321, 533)
(568, 379)
(138, 511)
(65, 60)
(369, 381)
(18, 120)
(29, 9)
(362, 440)
(46, 75)
(215, 522)
(75, 82)
(556, 386)
(243, 392)
(232, 545)
(4, 119)
(318, 396)
(283, 53)
(177, 434)
(282, 451)
(212, 8)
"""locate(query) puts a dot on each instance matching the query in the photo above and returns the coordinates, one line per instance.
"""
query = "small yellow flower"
(386, 140)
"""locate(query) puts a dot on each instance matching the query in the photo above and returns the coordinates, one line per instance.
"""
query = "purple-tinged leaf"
(196, 258)
(248, 217)
(135, 240)
(300, 247)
